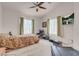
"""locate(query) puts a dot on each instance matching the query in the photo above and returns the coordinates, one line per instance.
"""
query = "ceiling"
(23, 7)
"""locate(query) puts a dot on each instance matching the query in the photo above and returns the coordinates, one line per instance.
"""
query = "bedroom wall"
(62, 9)
(11, 21)
(76, 27)
(0, 18)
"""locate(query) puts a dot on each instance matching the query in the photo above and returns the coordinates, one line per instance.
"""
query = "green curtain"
(21, 25)
(59, 25)
(33, 26)
(48, 26)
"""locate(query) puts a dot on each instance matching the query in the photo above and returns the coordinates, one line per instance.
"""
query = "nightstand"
(2, 51)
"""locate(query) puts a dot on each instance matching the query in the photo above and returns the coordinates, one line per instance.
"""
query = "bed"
(26, 46)
(43, 48)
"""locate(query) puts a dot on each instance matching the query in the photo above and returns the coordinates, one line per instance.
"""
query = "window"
(27, 26)
(53, 26)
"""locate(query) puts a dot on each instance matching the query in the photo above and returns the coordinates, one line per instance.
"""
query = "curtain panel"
(59, 25)
(33, 23)
(21, 25)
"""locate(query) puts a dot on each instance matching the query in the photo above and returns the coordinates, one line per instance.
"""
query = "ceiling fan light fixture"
(38, 5)
(36, 9)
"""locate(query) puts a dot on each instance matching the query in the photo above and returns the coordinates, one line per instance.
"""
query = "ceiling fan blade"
(40, 3)
(42, 7)
(33, 7)
(34, 3)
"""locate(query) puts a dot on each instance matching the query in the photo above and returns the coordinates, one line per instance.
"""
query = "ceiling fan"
(38, 5)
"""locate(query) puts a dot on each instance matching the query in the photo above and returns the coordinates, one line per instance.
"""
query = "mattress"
(43, 48)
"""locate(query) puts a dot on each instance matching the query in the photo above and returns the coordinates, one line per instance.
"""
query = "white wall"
(11, 21)
(43, 20)
(68, 35)
(37, 25)
(76, 27)
(0, 18)
(61, 9)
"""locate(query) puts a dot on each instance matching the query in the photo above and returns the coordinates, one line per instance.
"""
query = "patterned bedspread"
(42, 48)
(13, 42)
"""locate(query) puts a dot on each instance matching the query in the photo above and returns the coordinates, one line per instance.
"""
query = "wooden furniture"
(2, 50)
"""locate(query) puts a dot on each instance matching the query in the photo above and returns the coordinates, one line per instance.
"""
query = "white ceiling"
(23, 7)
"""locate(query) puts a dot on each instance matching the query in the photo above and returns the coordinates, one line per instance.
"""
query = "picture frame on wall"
(44, 24)
(68, 20)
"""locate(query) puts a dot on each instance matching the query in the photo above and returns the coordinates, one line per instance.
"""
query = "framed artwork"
(44, 24)
(68, 20)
